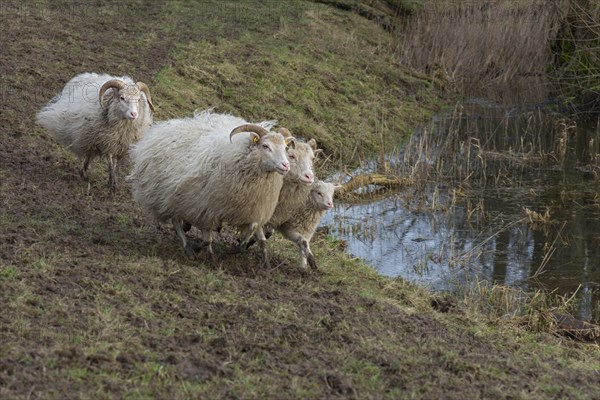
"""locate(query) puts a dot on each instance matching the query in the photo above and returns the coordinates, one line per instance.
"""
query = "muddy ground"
(96, 302)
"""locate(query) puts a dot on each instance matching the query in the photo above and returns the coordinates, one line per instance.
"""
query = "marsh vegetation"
(501, 187)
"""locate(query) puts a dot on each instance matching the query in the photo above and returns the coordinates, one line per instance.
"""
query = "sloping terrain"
(96, 302)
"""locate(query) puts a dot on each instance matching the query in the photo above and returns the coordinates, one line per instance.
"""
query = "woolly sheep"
(98, 115)
(300, 227)
(209, 170)
(296, 184)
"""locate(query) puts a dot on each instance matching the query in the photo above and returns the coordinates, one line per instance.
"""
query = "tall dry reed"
(496, 49)
(576, 50)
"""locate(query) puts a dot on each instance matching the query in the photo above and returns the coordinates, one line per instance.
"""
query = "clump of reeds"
(536, 218)
(576, 50)
(476, 145)
(536, 311)
(498, 49)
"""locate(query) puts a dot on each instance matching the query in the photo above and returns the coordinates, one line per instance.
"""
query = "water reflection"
(444, 248)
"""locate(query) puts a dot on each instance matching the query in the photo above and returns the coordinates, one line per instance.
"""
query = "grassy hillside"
(98, 303)
(323, 73)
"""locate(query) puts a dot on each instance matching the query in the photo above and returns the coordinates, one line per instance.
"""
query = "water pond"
(506, 196)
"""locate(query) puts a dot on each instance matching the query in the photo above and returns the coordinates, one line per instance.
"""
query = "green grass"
(338, 83)
(98, 302)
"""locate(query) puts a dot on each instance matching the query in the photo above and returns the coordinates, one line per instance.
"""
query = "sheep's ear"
(337, 187)
(290, 142)
(313, 144)
(255, 137)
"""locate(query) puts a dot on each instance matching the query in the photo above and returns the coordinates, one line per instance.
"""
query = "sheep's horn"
(284, 132)
(113, 83)
(290, 141)
(144, 88)
(259, 130)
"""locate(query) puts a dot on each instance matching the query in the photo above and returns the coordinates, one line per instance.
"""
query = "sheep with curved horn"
(99, 116)
(209, 170)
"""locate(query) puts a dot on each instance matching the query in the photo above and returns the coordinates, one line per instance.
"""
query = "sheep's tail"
(54, 122)
(64, 124)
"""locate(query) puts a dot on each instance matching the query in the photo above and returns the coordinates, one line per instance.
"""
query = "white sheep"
(296, 184)
(202, 170)
(300, 226)
(98, 115)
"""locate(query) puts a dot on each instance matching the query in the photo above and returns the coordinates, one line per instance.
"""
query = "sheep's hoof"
(235, 249)
(189, 251)
(311, 261)
(210, 256)
(250, 242)
(83, 174)
(265, 261)
(195, 245)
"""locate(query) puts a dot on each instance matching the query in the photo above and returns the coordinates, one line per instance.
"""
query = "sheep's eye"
(292, 156)
(122, 98)
(266, 146)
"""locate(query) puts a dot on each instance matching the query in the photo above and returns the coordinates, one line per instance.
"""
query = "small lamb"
(301, 227)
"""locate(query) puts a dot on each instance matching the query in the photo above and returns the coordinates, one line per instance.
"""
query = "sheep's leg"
(245, 238)
(207, 239)
(267, 229)
(306, 255)
(112, 175)
(189, 250)
(83, 169)
(251, 242)
(262, 241)
(309, 255)
(254, 231)
(303, 256)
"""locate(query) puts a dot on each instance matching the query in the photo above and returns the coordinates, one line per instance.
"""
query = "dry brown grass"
(536, 218)
(537, 311)
(498, 49)
(477, 146)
